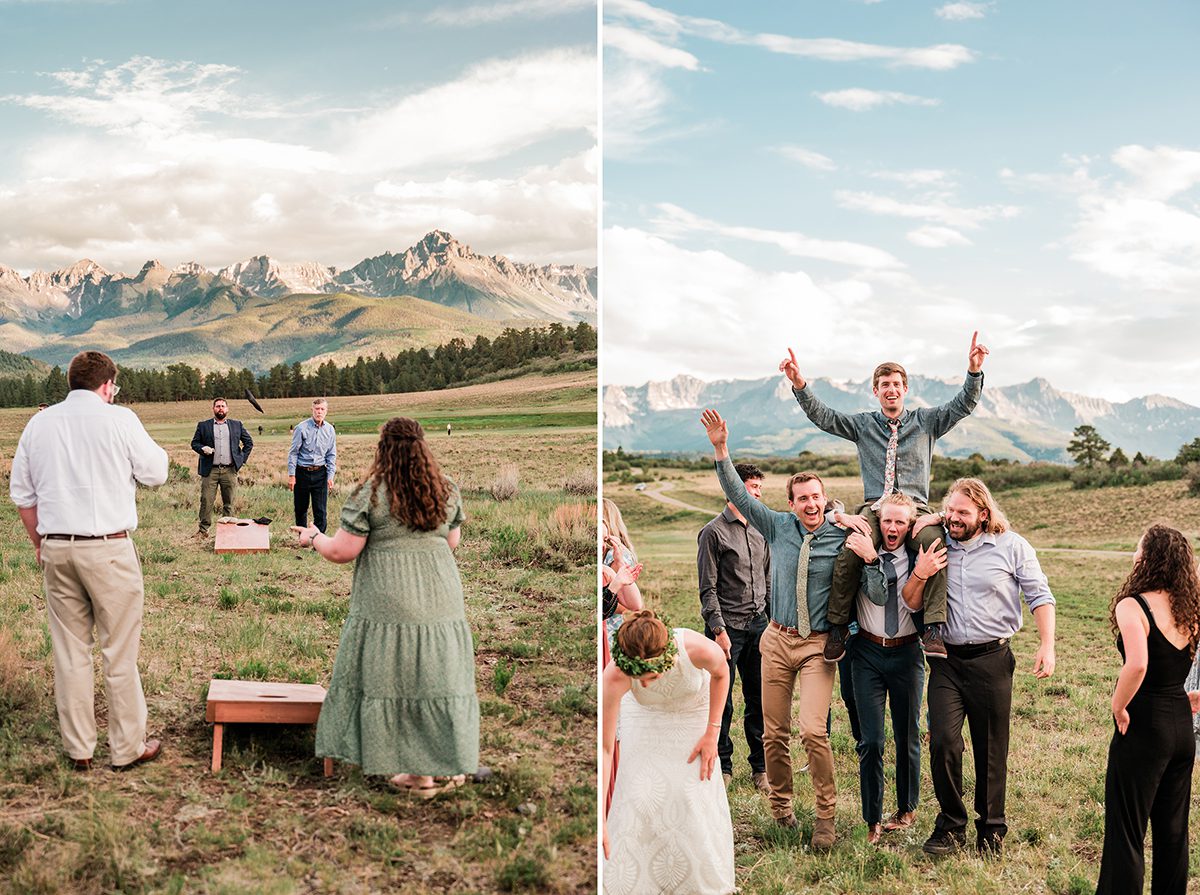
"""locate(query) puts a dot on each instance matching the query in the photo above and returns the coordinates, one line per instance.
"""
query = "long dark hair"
(417, 490)
(1166, 563)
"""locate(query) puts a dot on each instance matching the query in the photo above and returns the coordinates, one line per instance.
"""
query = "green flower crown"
(635, 666)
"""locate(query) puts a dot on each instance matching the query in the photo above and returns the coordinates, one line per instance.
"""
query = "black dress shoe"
(835, 643)
(990, 846)
(153, 750)
(944, 842)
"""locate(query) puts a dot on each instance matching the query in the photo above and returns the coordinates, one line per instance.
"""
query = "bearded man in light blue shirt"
(990, 569)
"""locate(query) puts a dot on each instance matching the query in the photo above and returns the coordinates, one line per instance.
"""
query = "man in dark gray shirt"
(734, 567)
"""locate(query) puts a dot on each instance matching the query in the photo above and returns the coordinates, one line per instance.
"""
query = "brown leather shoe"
(788, 821)
(874, 834)
(81, 764)
(760, 782)
(153, 750)
(900, 821)
(823, 834)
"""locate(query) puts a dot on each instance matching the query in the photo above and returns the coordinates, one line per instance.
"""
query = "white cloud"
(740, 320)
(493, 109)
(161, 160)
(937, 237)
(1161, 172)
(962, 11)
(640, 46)
(673, 220)
(488, 13)
(859, 99)
(917, 177)
(808, 158)
(938, 211)
(938, 57)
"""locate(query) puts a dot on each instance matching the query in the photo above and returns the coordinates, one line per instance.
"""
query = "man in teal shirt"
(804, 546)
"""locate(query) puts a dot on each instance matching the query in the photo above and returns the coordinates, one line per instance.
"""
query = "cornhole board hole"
(261, 702)
(244, 536)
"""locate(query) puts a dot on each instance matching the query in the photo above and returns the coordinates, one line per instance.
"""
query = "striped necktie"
(802, 621)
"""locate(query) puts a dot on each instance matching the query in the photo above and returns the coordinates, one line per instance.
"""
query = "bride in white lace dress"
(669, 829)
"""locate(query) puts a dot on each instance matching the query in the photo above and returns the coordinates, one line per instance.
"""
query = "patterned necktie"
(889, 469)
(891, 609)
(802, 621)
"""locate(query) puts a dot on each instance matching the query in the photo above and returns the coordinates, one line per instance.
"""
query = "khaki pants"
(226, 478)
(784, 658)
(96, 584)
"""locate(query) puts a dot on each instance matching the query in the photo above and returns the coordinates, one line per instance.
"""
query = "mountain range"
(263, 311)
(1029, 421)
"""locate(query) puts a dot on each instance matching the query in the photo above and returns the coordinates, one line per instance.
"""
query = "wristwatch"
(717, 632)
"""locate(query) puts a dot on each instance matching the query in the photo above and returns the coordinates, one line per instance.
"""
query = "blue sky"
(875, 180)
(303, 130)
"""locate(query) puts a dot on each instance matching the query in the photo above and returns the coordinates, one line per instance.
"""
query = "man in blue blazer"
(223, 445)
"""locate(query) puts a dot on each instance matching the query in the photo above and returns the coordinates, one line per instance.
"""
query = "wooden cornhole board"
(261, 702)
(243, 536)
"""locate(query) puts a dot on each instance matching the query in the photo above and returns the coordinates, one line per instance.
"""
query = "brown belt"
(795, 632)
(889, 641)
(310, 468)
(112, 537)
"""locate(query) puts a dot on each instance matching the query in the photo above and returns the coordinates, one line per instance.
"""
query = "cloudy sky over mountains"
(210, 132)
(869, 179)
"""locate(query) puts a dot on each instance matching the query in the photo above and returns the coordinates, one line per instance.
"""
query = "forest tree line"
(414, 370)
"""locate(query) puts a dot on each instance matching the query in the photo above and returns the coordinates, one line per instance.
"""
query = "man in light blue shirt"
(312, 462)
(990, 569)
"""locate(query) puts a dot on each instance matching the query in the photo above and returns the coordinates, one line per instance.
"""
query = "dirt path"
(654, 490)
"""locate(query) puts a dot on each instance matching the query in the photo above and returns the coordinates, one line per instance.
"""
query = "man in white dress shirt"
(886, 664)
(73, 480)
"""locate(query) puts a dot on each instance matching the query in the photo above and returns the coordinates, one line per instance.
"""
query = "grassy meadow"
(1060, 727)
(269, 822)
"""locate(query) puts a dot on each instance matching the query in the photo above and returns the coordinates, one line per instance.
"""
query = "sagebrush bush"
(506, 485)
(1111, 477)
(580, 481)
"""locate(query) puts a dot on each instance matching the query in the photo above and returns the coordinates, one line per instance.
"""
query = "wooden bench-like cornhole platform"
(261, 702)
(243, 536)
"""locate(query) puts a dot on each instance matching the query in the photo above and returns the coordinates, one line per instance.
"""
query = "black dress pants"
(746, 660)
(1149, 780)
(310, 484)
(972, 684)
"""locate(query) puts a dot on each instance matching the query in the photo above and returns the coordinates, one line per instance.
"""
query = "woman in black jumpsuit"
(1149, 776)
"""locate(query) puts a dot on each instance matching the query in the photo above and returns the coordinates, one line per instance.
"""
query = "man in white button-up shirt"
(73, 480)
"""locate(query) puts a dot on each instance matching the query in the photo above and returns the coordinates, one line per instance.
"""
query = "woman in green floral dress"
(402, 699)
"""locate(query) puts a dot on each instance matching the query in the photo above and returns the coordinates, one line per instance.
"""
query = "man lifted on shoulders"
(895, 451)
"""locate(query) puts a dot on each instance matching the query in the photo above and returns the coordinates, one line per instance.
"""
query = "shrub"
(505, 485)
(502, 676)
(580, 481)
(1193, 479)
(1108, 477)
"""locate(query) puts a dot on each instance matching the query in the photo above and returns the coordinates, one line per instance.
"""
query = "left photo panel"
(298, 393)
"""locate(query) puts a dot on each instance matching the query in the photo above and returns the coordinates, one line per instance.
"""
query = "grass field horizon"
(1060, 727)
(268, 822)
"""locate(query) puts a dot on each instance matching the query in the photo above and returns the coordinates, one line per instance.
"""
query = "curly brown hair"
(1166, 563)
(417, 490)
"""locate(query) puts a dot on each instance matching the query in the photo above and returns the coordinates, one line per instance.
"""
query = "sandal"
(438, 788)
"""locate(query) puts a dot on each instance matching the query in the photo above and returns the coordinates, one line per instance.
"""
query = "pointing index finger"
(792, 355)
(974, 339)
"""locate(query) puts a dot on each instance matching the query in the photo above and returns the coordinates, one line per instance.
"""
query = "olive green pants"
(226, 478)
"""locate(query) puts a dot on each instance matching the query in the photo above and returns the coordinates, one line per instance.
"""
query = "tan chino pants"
(786, 657)
(96, 584)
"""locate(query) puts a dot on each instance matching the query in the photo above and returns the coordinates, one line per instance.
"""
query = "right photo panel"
(901, 453)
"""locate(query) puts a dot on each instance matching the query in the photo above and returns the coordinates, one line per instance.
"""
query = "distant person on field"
(733, 565)
(74, 477)
(447, 430)
(312, 462)
(223, 445)
(990, 571)
(1156, 615)
(895, 451)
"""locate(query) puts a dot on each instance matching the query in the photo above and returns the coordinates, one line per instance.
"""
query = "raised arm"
(820, 415)
(945, 416)
(761, 517)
